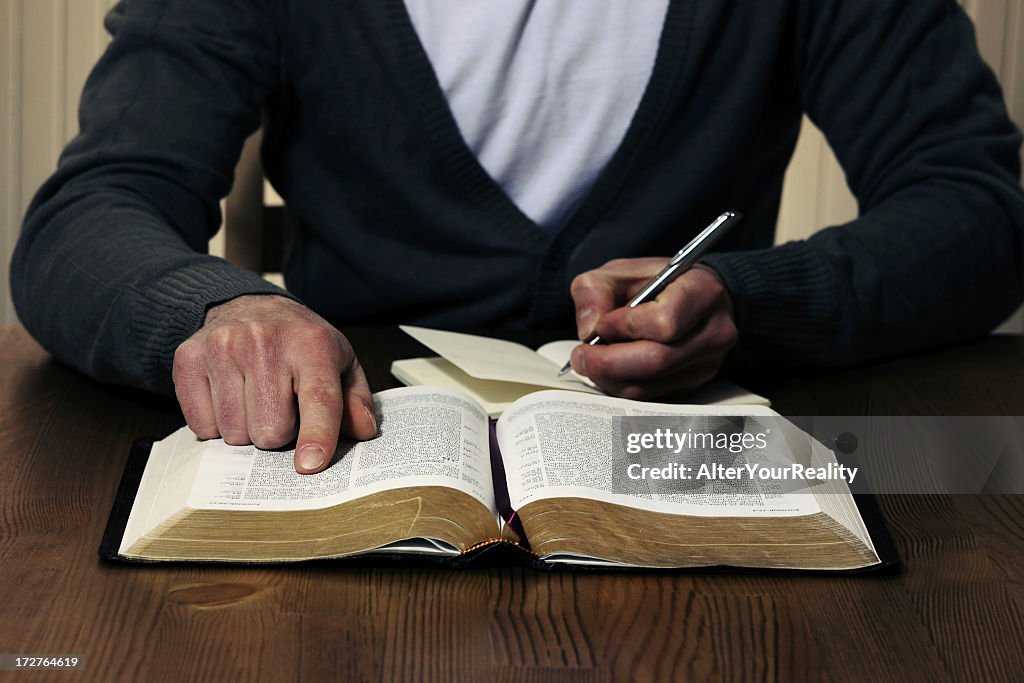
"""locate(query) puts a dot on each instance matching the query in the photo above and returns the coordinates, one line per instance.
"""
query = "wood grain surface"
(956, 613)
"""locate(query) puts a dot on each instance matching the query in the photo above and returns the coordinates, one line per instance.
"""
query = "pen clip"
(699, 239)
(684, 258)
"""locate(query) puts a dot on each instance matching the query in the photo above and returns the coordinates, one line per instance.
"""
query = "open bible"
(441, 481)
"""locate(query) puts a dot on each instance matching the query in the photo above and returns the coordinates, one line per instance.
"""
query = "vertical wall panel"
(10, 148)
(989, 17)
(82, 39)
(41, 132)
(42, 125)
(1013, 87)
(1013, 61)
(997, 26)
(61, 102)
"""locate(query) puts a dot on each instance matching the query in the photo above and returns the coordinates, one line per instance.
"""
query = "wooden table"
(956, 613)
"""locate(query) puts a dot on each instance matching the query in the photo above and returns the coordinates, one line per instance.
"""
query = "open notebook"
(496, 373)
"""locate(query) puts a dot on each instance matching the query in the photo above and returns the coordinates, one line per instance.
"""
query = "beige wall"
(48, 46)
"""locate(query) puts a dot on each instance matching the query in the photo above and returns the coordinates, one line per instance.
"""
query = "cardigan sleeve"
(918, 124)
(111, 272)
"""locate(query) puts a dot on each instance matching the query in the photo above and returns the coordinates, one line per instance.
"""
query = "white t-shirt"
(543, 91)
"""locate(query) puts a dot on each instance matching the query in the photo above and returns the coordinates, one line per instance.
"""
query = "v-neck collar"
(420, 81)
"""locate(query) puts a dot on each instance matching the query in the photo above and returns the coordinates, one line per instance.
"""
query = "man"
(475, 163)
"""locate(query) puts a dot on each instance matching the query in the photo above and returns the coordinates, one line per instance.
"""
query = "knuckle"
(725, 335)
(597, 364)
(204, 429)
(200, 421)
(583, 282)
(187, 358)
(318, 336)
(271, 435)
(695, 377)
(186, 350)
(656, 359)
(618, 263)
(634, 392)
(179, 374)
(191, 407)
(719, 296)
(235, 436)
(261, 349)
(648, 360)
(230, 416)
(704, 375)
(323, 394)
(222, 342)
(663, 325)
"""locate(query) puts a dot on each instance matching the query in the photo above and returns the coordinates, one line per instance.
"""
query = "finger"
(320, 410)
(227, 392)
(359, 420)
(641, 361)
(645, 361)
(270, 411)
(196, 403)
(681, 307)
(686, 379)
(192, 389)
(596, 292)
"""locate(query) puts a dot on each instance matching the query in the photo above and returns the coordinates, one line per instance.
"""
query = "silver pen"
(684, 259)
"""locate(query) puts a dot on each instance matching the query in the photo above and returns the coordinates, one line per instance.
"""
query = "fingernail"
(369, 414)
(311, 458)
(585, 322)
(578, 362)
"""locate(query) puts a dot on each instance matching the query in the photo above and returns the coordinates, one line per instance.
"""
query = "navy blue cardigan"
(400, 223)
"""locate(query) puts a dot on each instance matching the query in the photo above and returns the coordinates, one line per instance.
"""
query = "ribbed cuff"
(788, 307)
(177, 304)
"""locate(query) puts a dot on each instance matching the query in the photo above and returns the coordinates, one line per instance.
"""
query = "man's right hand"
(262, 366)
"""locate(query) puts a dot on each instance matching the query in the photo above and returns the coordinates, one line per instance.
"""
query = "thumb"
(594, 293)
(604, 289)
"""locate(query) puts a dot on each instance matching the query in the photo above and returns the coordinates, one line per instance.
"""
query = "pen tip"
(565, 369)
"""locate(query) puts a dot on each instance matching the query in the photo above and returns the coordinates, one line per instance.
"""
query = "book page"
(427, 437)
(496, 359)
(166, 481)
(559, 445)
(493, 397)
